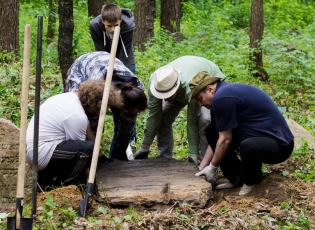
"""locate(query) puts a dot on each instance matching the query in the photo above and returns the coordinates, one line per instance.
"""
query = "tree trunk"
(9, 26)
(94, 7)
(256, 31)
(170, 15)
(65, 36)
(51, 27)
(144, 19)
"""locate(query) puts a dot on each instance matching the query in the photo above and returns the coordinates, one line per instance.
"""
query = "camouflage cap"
(199, 82)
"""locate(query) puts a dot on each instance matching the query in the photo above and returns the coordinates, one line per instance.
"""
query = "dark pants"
(253, 152)
(69, 160)
(116, 116)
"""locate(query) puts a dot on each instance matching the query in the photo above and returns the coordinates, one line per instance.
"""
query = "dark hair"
(111, 12)
(91, 95)
(133, 97)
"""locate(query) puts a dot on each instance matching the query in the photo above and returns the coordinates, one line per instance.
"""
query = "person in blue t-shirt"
(246, 130)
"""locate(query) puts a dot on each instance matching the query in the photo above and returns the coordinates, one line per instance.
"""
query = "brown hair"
(111, 12)
(133, 97)
(91, 95)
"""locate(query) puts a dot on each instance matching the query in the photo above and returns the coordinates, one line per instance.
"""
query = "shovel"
(90, 187)
(18, 222)
(36, 113)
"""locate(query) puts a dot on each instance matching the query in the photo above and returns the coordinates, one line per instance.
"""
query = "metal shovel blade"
(25, 223)
(17, 221)
(84, 203)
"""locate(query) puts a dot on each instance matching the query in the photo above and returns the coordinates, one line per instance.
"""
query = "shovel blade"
(25, 223)
(84, 203)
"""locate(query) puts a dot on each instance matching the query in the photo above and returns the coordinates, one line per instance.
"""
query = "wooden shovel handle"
(24, 110)
(104, 105)
(23, 125)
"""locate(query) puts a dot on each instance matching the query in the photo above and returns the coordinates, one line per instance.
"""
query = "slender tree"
(256, 34)
(51, 26)
(94, 8)
(9, 26)
(170, 15)
(65, 36)
(144, 19)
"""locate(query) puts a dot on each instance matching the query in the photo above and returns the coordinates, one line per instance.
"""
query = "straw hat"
(165, 82)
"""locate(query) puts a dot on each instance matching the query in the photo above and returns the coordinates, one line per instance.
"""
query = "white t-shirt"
(61, 118)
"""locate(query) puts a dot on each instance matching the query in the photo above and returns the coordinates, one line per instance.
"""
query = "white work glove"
(143, 152)
(210, 173)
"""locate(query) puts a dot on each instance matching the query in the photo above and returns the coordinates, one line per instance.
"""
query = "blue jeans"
(116, 114)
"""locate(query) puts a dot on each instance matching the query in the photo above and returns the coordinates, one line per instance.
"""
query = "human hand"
(143, 152)
(210, 173)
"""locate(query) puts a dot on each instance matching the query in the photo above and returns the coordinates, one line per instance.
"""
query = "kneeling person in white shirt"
(66, 142)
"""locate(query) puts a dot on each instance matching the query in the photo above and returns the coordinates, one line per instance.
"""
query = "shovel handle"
(23, 125)
(104, 105)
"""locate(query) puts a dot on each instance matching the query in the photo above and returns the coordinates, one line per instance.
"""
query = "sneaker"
(193, 158)
(225, 185)
(246, 189)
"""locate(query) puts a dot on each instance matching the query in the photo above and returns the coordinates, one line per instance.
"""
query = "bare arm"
(207, 158)
(222, 146)
(89, 134)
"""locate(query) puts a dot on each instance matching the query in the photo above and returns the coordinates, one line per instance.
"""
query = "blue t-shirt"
(250, 112)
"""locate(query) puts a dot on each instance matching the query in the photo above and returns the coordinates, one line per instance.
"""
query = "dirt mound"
(270, 192)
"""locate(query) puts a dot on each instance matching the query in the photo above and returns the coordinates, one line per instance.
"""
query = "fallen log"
(151, 181)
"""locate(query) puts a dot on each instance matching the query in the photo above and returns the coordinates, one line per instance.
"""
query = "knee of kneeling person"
(88, 147)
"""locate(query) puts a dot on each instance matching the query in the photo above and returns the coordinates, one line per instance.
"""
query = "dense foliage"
(215, 29)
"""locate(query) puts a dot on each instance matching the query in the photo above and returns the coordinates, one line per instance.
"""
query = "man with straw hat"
(168, 94)
(244, 120)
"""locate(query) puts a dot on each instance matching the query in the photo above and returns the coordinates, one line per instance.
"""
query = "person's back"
(65, 139)
(102, 30)
(250, 111)
(94, 66)
(168, 94)
(56, 115)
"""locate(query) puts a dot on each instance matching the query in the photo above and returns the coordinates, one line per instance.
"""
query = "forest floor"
(276, 200)
(225, 210)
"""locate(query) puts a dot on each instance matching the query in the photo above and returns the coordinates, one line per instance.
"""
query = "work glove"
(210, 173)
(143, 152)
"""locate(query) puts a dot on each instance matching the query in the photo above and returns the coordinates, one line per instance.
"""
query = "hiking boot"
(225, 185)
(246, 189)
(193, 158)
(141, 155)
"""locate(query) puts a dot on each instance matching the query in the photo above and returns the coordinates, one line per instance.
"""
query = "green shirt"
(188, 67)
